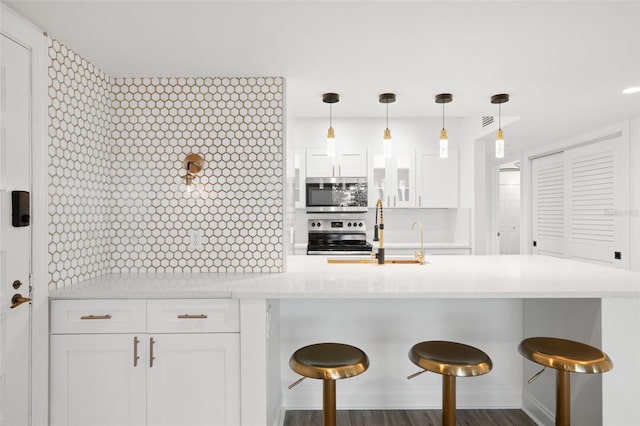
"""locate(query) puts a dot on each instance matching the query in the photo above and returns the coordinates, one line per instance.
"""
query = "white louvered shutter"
(596, 198)
(548, 205)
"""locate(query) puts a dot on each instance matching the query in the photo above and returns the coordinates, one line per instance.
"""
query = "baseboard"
(401, 399)
(537, 411)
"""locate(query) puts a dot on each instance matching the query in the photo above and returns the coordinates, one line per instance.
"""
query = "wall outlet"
(196, 239)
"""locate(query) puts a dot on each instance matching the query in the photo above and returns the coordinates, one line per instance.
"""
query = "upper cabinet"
(392, 179)
(349, 163)
(437, 179)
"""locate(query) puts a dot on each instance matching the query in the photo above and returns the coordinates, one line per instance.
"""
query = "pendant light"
(331, 98)
(387, 98)
(500, 99)
(444, 98)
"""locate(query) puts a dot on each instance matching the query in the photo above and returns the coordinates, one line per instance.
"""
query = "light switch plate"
(196, 239)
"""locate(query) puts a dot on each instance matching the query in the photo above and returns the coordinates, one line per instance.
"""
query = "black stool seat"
(450, 358)
(329, 361)
(563, 354)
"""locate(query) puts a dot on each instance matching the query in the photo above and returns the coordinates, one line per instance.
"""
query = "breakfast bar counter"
(491, 302)
(441, 277)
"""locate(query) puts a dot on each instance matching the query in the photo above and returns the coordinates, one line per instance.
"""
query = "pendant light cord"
(443, 116)
(330, 115)
(387, 115)
(499, 116)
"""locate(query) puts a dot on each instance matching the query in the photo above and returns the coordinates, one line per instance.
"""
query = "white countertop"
(442, 277)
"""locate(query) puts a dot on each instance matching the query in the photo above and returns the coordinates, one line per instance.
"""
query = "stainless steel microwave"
(336, 194)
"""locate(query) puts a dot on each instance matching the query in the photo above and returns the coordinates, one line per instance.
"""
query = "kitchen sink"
(373, 261)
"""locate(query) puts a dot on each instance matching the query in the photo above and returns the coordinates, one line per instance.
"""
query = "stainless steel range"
(338, 236)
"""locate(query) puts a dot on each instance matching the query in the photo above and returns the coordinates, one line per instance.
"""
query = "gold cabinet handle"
(339, 170)
(135, 351)
(18, 300)
(189, 316)
(151, 357)
(388, 200)
(419, 200)
(96, 317)
(394, 201)
(333, 171)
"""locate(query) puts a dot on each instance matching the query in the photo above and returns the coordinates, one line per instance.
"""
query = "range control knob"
(349, 224)
(313, 224)
(318, 225)
(360, 224)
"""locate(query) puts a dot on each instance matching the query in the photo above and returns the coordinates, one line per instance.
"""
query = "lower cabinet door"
(193, 379)
(94, 381)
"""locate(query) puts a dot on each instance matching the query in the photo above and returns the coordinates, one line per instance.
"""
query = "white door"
(194, 380)
(597, 220)
(15, 242)
(96, 380)
(548, 205)
(509, 212)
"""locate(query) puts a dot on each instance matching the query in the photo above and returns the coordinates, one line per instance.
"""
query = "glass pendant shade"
(444, 144)
(499, 144)
(386, 143)
(331, 142)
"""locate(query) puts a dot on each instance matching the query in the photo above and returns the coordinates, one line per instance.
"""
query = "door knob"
(18, 300)
(17, 284)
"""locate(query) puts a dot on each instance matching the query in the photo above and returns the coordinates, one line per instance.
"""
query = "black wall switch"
(20, 208)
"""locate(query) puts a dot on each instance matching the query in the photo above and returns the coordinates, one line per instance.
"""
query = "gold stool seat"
(566, 356)
(329, 362)
(451, 359)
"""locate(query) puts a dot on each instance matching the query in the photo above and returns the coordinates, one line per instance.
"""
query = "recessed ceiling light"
(634, 89)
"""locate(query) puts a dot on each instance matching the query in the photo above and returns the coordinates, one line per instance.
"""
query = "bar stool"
(452, 360)
(329, 362)
(566, 356)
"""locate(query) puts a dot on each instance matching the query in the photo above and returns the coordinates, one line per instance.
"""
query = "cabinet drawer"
(193, 316)
(98, 316)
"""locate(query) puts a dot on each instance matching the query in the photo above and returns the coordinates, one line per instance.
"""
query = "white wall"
(634, 194)
(367, 133)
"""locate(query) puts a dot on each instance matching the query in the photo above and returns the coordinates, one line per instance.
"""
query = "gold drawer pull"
(95, 317)
(188, 316)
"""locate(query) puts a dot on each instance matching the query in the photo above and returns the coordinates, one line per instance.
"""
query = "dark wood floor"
(409, 418)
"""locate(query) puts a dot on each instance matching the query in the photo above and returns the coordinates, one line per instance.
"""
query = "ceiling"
(563, 63)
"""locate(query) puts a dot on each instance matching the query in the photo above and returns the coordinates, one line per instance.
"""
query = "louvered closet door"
(548, 205)
(596, 196)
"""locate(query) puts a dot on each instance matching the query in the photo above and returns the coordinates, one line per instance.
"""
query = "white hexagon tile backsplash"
(117, 148)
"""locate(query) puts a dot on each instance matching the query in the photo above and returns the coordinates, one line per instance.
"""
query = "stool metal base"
(329, 362)
(565, 356)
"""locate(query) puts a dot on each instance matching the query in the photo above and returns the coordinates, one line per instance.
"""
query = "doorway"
(509, 208)
(15, 233)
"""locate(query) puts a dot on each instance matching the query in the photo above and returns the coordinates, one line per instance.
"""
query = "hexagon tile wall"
(116, 159)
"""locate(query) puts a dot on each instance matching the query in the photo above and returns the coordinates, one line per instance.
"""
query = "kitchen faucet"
(420, 254)
(380, 255)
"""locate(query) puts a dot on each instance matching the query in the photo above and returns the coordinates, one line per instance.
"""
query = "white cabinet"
(298, 178)
(194, 379)
(156, 362)
(94, 381)
(437, 179)
(349, 163)
(392, 179)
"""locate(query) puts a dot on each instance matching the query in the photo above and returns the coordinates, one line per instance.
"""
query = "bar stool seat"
(329, 362)
(451, 359)
(566, 356)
